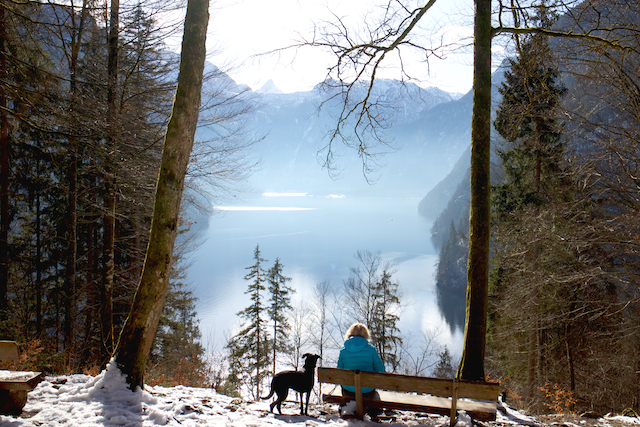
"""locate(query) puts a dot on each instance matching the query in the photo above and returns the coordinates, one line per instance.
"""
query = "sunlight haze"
(243, 31)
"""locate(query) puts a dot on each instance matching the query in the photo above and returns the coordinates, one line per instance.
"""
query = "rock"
(590, 414)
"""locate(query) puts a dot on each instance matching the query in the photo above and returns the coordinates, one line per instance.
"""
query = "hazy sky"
(240, 29)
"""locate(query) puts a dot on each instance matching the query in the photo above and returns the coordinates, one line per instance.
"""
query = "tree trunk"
(4, 174)
(72, 249)
(531, 360)
(140, 327)
(108, 255)
(38, 284)
(472, 362)
(91, 292)
(72, 194)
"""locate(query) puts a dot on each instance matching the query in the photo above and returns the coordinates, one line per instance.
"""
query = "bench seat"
(412, 393)
(479, 410)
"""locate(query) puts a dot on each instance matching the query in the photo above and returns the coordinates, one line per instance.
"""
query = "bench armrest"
(19, 380)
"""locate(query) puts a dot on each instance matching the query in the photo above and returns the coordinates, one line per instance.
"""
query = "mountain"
(428, 129)
(437, 199)
(269, 87)
(432, 204)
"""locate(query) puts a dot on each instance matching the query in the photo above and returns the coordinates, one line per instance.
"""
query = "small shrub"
(561, 400)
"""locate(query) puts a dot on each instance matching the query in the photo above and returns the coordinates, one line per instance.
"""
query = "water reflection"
(315, 237)
(452, 306)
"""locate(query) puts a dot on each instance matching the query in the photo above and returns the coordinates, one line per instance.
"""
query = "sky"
(105, 400)
(241, 29)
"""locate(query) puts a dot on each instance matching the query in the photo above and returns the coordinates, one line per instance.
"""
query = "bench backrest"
(478, 390)
(9, 350)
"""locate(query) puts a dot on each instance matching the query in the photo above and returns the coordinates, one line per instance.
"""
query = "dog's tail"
(269, 395)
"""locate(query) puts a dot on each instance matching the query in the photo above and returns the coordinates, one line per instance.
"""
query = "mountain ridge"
(296, 126)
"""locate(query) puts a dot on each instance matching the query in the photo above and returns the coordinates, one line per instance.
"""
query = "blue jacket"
(357, 353)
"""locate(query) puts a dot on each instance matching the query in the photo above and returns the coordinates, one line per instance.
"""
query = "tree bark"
(72, 192)
(4, 173)
(472, 361)
(141, 325)
(72, 249)
(108, 255)
(38, 284)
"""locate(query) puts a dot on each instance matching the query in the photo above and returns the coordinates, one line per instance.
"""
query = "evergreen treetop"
(528, 120)
(280, 305)
(385, 335)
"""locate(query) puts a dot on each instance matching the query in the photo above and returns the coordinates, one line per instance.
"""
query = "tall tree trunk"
(531, 359)
(38, 287)
(72, 195)
(142, 323)
(92, 301)
(275, 332)
(4, 173)
(472, 361)
(136, 259)
(72, 249)
(108, 255)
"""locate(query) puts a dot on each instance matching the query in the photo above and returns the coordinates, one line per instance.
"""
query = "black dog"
(302, 382)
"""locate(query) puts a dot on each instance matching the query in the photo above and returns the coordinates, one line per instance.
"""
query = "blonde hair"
(357, 330)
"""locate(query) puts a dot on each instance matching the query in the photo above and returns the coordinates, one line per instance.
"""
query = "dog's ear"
(304, 356)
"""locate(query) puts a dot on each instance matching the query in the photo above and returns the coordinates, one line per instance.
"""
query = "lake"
(316, 237)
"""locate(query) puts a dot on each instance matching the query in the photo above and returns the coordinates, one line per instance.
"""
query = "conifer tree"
(384, 321)
(176, 355)
(527, 119)
(280, 306)
(444, 367)
(249, 348)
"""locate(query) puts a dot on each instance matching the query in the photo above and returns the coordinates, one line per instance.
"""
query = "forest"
(563, 328)
(85, 98)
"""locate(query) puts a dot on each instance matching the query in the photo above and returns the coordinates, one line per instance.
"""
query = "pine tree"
(249, 348)
(527, 119)
(444, 367)
(176, 353)
(384, 321)
(280, 306)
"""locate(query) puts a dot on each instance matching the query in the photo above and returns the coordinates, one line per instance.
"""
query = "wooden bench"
(432, 395)
(14, 385)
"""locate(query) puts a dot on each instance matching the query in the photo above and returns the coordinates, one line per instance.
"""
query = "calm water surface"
(316, 238)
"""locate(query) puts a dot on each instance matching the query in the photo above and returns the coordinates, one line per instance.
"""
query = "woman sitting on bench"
(358, 353)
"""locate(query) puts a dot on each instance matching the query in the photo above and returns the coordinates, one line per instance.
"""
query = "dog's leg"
(306, 411)
(282, 396)
(301, 405)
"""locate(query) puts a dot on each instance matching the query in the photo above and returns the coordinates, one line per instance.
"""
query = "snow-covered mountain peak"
(269, 87)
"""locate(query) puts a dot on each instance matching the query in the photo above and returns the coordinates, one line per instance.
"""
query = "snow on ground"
(105, 400)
